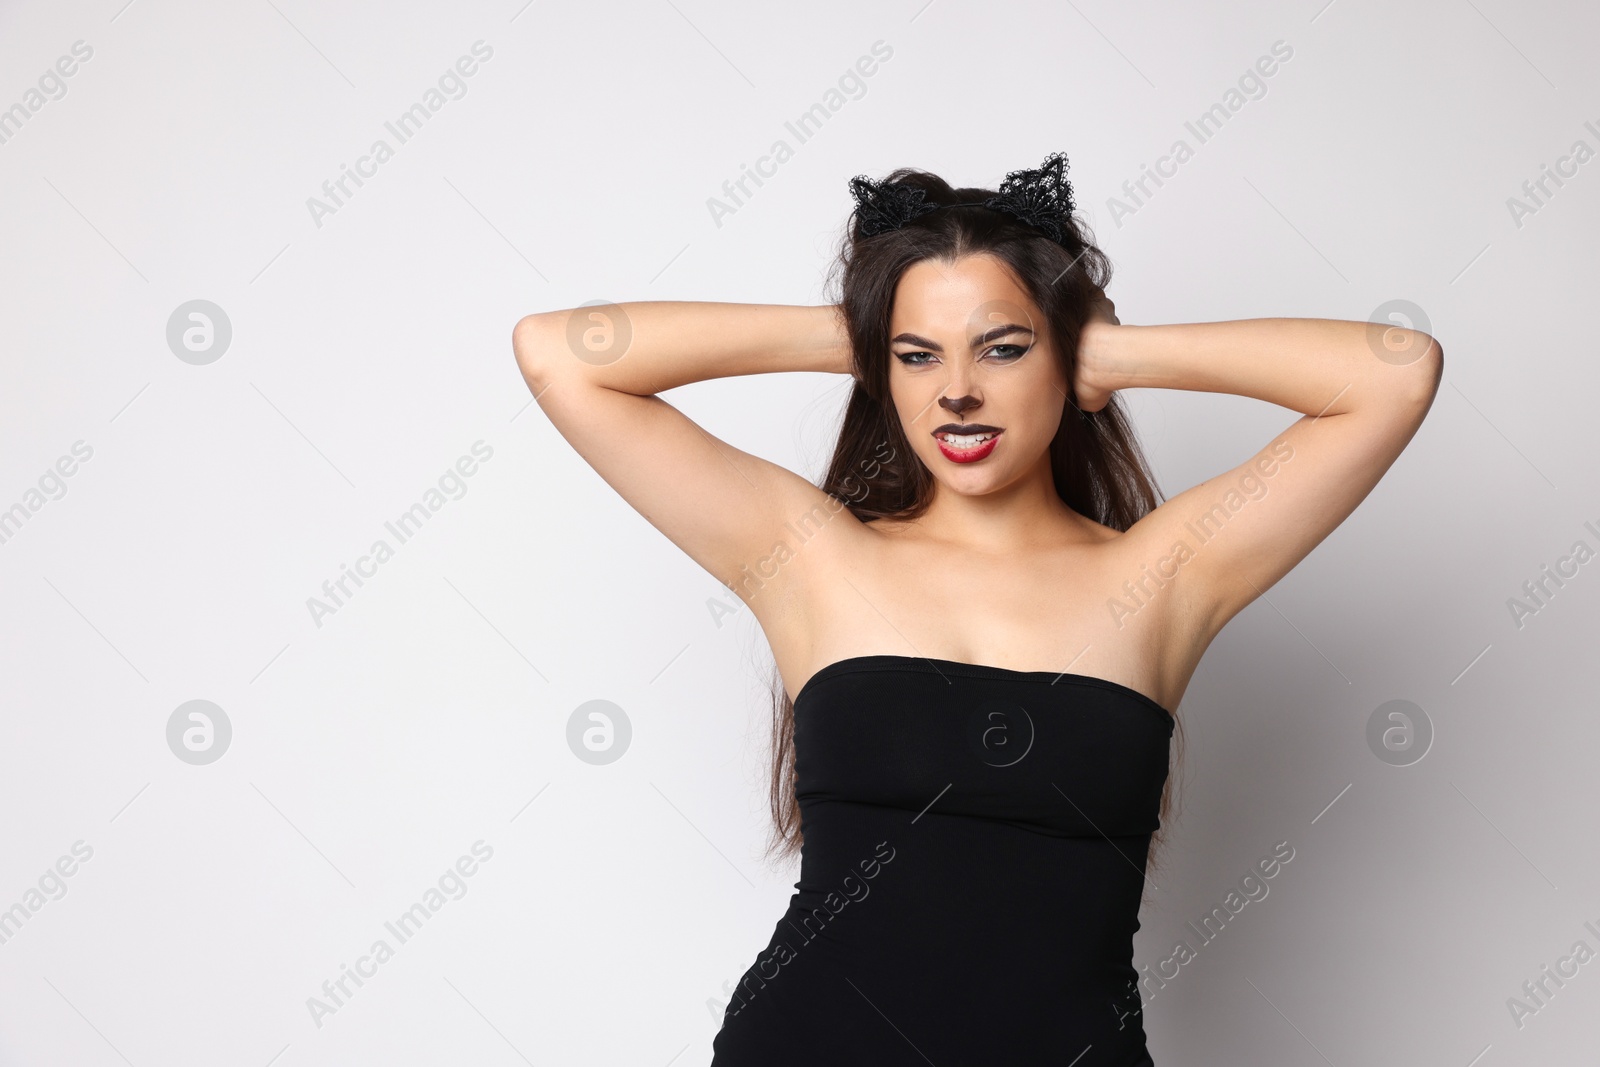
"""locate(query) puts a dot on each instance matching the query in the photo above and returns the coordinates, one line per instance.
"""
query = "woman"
(976, 820)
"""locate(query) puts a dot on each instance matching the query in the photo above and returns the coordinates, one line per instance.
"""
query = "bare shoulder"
(1147, 597)
(814, 549)
(838, 585)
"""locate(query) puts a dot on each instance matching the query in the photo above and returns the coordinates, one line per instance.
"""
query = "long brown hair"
(1099, 469)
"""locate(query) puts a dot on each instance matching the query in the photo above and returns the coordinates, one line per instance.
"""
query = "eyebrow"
(992, 334)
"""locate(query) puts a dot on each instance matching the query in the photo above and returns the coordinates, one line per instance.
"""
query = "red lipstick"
(970, 444)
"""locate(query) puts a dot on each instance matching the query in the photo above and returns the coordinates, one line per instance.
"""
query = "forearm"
(1314, 366)
(647, 347)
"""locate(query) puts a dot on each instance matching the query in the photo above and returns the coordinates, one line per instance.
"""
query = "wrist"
(831, 341)
(1102, 355)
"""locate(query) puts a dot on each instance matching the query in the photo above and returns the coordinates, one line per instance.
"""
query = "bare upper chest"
(1059, 608)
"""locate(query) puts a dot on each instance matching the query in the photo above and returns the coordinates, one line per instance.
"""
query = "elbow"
(1420, 356)
(534, 342)
(1430, 367)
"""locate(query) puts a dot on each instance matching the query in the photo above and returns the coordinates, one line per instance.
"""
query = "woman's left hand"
(1088, 382)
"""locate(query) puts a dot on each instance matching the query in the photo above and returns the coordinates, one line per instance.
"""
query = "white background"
(430, 710)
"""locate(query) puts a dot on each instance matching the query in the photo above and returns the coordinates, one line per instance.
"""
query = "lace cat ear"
(1040, 197)
(882, 206)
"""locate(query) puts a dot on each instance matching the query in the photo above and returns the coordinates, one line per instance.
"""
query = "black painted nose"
(959, 405)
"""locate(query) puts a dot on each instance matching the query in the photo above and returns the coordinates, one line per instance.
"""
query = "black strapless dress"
(975, 847)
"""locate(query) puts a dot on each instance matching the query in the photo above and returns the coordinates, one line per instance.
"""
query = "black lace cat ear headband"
(1041, 197)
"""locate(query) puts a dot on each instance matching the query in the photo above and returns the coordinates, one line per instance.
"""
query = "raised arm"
(594, 372)
(1363, 390)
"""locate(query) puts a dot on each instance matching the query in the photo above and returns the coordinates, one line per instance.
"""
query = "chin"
(974, 480)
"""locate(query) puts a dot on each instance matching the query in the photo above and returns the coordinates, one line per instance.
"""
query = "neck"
(1026, 514)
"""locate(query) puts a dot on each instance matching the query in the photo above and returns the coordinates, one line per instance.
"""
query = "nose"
(959, 406)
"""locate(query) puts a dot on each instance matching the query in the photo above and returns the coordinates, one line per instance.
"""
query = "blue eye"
(1000, 353)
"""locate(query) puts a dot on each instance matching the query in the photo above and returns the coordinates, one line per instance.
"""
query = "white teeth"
(964, 440)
